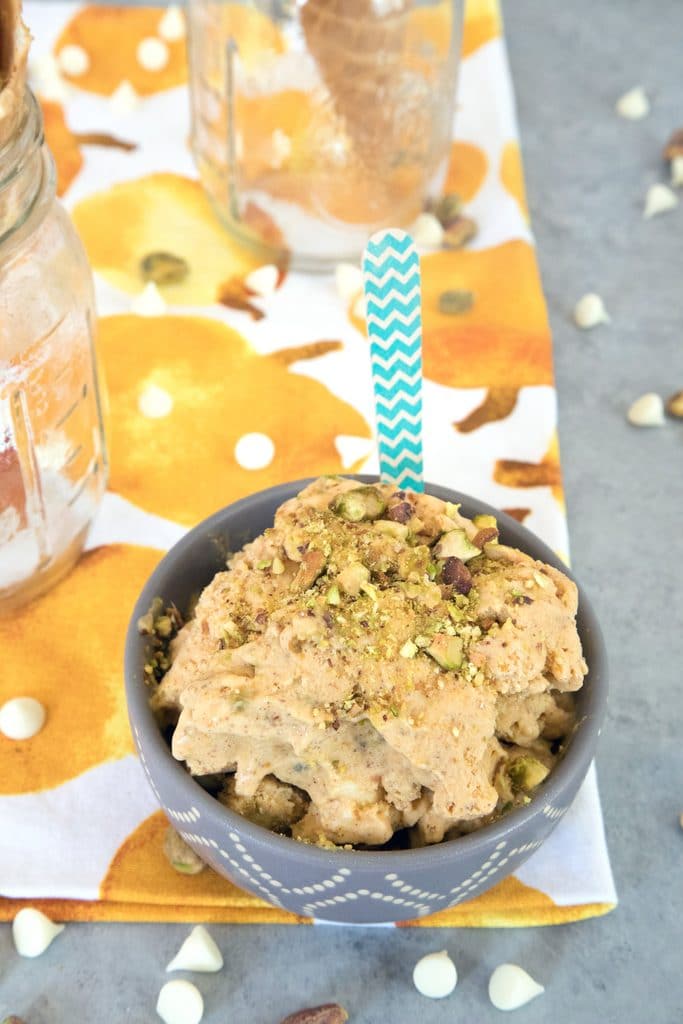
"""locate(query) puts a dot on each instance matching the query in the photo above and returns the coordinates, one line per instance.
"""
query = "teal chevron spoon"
(391, 278)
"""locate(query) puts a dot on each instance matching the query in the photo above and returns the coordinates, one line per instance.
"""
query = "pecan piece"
(329, 1013)
(485, 536)
(312, 564)
(456, 574)
(401, 513)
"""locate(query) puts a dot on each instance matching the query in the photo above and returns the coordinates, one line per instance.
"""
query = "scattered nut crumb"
(590, 311)
(659, 199)
(427, 232)
(634, 104)
(180, 856)
(163, 268)
(647, 411)
(435, 975)
(674, 405)
(511, 987)
(447, 209)
(459, 232)
(328, 1013)
(674, 146)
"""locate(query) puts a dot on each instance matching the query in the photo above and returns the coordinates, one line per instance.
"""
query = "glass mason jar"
(317, 122)
(53, 466)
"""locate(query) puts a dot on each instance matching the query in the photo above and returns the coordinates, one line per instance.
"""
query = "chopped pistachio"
(363, 504)
(394, 710)
(432, 570)
(483, 521)
(352, 578)
(278, 566)
(163, 268)
(525, 773)
(447, 209)
(163, 626)
(391, 529)
(455, 544)
(264, 563)
(367, 588)
(452, 509)
(459, 233)
(181, 856)
(409, 649)
(333, 596)
(446, 651)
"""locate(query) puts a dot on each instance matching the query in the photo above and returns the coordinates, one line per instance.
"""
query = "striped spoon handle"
(391, 277)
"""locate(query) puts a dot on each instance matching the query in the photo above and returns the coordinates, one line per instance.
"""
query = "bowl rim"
(577, 760)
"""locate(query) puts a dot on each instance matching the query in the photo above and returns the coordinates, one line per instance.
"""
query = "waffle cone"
(359, 50)
(14, 44)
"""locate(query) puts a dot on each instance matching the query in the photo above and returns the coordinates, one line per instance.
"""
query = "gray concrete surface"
(587, 172)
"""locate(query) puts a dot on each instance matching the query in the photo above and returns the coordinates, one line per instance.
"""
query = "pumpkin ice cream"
(374, 662)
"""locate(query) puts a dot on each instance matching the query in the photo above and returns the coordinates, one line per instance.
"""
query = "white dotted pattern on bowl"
(400, 893)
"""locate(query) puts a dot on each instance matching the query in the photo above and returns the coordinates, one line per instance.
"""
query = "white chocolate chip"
(634, 104)
(33, 932)
(254, 451)
(427, 231)
(590, 311)
(124, 99)
(198, 952)
(172, 24)
(435, 975)
(348, 279)
(21, 718)
(511, 987)
(263, 281)
(180, 1002)
(659, 199)
(359, 307)
(647, 411)
(155, 402)
(281, 148)
(677, 171)
(152, 54)
(73, 60)
(149, 302)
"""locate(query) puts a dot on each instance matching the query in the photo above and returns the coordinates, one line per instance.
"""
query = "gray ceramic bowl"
(346, 886)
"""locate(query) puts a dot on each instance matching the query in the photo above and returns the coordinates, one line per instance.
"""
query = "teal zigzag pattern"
(391, 273)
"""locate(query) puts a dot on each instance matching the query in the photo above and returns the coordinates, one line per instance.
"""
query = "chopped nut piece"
(456, 544)
(674, 146)
(435, 975)
(659, 199)
(333, 596)
(590, 311)
(401, 513)
(674, 405)
(427, 232)
(446, 209)
(329, 1013)
(456, 574)
(312, 565)
(181, 856)
(446, 651)
(482, 521)
(391, 529)
(455, 301)
(362, 504)
(647, 411)
(511, 987)
(489, 535)
(634, 104)
(278, 566)
(461, 231)
(525, 773)
(352, 578)
(409, 649)
(163, 268)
